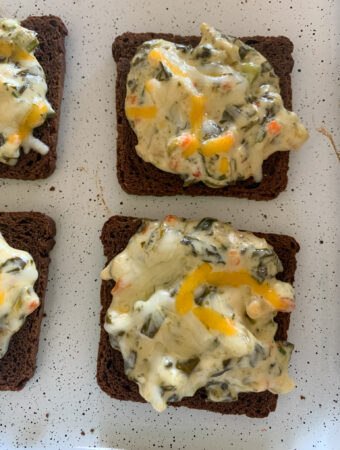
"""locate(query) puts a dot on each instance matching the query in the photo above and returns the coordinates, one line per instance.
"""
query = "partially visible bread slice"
(110, 367)
(51, 55)
(141, 178)
(34, 233)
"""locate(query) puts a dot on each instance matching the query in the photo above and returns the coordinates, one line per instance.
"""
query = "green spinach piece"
(203, 52)
(163, 73)
(205, 224)
(188, 366)
(243, 51)
(265, 256)
(207, 252)
(227, 364)
(266, 67)
(152, 324)
(130, 361)
(13, 265)
(207, 290)
(230, 114)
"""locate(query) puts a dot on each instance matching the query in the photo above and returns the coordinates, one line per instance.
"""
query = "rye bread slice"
(110, 367)
(51, 55)
(33, 232)
(141, 178)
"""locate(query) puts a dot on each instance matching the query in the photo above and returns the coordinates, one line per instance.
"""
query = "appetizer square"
(116, 234)
(29, 135)
(34, 233)
(144, 176)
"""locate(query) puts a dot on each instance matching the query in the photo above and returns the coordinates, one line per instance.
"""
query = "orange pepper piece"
(273, 128)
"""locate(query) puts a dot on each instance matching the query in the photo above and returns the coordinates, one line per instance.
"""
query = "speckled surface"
(62, 406)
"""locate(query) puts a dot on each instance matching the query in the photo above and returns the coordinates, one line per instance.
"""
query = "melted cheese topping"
(213, 113)
(23, 103)
(194, 306)
(17, 297)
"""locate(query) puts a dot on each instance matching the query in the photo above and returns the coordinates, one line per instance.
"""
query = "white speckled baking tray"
(62, 406)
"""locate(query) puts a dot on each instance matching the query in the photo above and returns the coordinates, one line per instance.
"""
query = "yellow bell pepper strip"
(185, 296)
(32, 120)
(214, 320)
(9, 49)
(224, 165)
(156, 56)
(204, 274)
(221, 144)
(188, 143)
(236, 279)
(197, 113)
(141, 112)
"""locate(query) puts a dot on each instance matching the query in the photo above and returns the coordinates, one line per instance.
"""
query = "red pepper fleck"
(171, 219)
(33, 305)
(132, 98)
(145, 229)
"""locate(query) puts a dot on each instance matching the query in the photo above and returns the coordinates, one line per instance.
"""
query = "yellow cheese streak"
(203, 274)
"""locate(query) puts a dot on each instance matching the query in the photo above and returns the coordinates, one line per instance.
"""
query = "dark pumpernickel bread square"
(141, 178)
(33, 232)
(110, 367)
(51, 55)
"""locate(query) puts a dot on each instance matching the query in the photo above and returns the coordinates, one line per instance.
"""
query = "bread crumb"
(47, 415)
(82, 433)
(326, 133)
(92, 430)
(101, 194)
(302, 397)
(52, 188)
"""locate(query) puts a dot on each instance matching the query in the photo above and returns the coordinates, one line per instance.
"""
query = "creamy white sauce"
(23, 103)
(17, 296)
(171, 355)
(212, 114)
